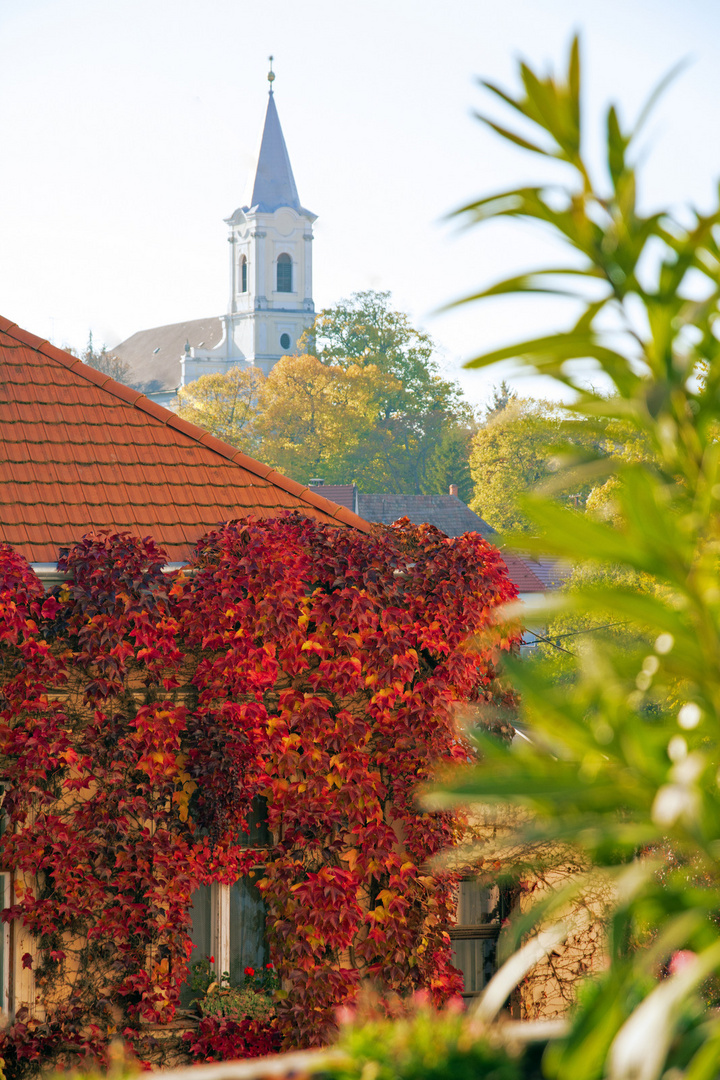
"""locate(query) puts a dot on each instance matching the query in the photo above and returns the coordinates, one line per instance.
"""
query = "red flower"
(249, 971)
(212, 959)
(269, 967)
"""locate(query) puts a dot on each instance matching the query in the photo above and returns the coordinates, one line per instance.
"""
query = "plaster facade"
(270, 241)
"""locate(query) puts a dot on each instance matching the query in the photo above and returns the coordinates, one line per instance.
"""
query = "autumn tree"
(226, 404)
(103, 361)
(420, 408)
(320, 420)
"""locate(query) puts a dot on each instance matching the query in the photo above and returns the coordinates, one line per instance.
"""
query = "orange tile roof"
(81, 452)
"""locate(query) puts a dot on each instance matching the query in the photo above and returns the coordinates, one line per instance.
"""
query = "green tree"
(420, 414)
(450, 462)
(520, 446)
(365, 330)
(227, 405)
(624, 763)
(502, 395)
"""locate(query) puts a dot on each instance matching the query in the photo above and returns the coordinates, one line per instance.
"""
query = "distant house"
(447, 513)
(79, 452)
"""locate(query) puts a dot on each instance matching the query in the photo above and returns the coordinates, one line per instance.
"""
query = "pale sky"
(129, 128)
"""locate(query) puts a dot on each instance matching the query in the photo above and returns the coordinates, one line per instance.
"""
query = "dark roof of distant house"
(80, 452)
(446, 512)
(453, 517)
(342, 494)
(154, 355)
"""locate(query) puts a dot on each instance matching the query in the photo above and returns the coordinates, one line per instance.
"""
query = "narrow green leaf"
(530, 283)
(512, 137)
(574, 79)
(657, 94)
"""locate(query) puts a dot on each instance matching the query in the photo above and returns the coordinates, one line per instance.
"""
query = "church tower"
(270, 240)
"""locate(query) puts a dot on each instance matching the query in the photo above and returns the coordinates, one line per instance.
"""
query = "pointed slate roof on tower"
(274, 183)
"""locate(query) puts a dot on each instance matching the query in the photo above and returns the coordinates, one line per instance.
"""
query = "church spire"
(274, 184)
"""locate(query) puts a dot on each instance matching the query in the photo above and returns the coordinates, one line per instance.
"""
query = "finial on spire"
(271, 74)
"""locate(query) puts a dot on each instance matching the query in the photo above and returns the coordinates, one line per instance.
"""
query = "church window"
(285, 341)
(243, 274)
(284, 273)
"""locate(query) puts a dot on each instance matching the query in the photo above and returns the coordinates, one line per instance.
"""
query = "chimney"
(317, 481)
(454, 490)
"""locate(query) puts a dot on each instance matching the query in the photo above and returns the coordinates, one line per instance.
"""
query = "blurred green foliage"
(421, 1043)
(622, 765)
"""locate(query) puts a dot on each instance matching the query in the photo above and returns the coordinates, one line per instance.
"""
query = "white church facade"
(270, 303)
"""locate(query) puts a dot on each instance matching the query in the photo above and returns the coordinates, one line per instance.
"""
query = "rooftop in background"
(80, 452)
(154, 355)
(343, 494)
(552, 572)
(446, 512)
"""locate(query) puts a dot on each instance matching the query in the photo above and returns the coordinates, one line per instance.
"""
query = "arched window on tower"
(243, 274)
(284, 273)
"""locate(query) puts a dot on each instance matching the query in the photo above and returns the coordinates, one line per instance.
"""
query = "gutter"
(50, 576)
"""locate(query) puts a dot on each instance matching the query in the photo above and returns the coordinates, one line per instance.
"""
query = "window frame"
(5, 943)
(483, 931)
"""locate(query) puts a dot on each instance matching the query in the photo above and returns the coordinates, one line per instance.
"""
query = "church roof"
(80, 452)
(154, 355)
(274, 183)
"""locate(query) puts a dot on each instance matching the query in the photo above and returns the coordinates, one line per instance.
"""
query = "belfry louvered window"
(284, 273)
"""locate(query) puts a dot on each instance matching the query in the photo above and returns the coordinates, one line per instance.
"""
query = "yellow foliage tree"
(321, 420)
(227, 405)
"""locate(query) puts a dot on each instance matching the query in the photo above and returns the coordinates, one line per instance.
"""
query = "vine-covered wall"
(142, 715)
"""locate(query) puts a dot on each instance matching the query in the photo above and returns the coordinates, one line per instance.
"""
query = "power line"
(571, 633)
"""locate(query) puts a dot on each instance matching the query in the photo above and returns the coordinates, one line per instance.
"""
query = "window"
(5, 901)
(284, 273)
(284, 341)
(243, 274)
(481, 910)
(228, 921)
(246, 939)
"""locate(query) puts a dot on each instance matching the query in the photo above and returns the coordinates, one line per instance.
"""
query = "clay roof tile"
(80, 451)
